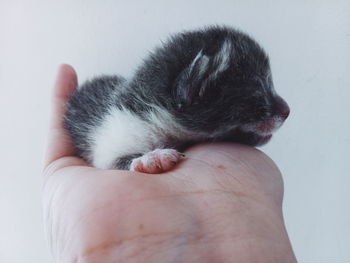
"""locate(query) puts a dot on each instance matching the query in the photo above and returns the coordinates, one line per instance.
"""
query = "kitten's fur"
(213, 84)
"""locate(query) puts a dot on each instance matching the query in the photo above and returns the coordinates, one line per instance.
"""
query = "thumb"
(59, 144)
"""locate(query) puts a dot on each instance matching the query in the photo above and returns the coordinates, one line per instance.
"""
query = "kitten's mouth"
(260, 133)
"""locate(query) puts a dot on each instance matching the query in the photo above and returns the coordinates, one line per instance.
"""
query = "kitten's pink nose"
(282, 108)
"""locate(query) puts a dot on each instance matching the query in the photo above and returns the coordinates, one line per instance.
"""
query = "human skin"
(222, 203)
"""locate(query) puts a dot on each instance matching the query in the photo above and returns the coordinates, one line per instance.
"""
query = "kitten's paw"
(157, 161)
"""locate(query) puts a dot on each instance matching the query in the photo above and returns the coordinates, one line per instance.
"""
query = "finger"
(59, 144)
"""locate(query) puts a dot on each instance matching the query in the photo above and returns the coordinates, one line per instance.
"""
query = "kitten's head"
(216, 82)
(226, 90)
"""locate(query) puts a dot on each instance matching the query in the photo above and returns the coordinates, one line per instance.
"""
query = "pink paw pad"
(157, 161)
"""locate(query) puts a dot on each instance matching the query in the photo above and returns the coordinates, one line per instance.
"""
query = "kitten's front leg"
(157, 161)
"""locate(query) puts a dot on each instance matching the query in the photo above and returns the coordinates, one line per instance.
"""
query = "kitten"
(213, 84)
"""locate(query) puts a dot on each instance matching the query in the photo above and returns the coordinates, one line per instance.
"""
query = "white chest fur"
(123, 133)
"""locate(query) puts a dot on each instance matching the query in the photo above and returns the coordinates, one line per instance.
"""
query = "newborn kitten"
(213, 84)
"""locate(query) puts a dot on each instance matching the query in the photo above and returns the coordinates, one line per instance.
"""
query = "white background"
(309, 47)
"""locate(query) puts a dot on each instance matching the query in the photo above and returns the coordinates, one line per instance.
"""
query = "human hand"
(223, 203)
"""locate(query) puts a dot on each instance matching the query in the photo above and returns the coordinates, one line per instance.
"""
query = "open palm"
(222, 202)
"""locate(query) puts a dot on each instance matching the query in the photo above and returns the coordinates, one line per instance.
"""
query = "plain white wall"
(309, 47)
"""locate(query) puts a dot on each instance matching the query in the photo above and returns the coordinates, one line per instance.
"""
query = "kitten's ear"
(189, 82)
(199, 76)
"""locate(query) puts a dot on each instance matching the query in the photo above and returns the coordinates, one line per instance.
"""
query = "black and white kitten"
(213, 84)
